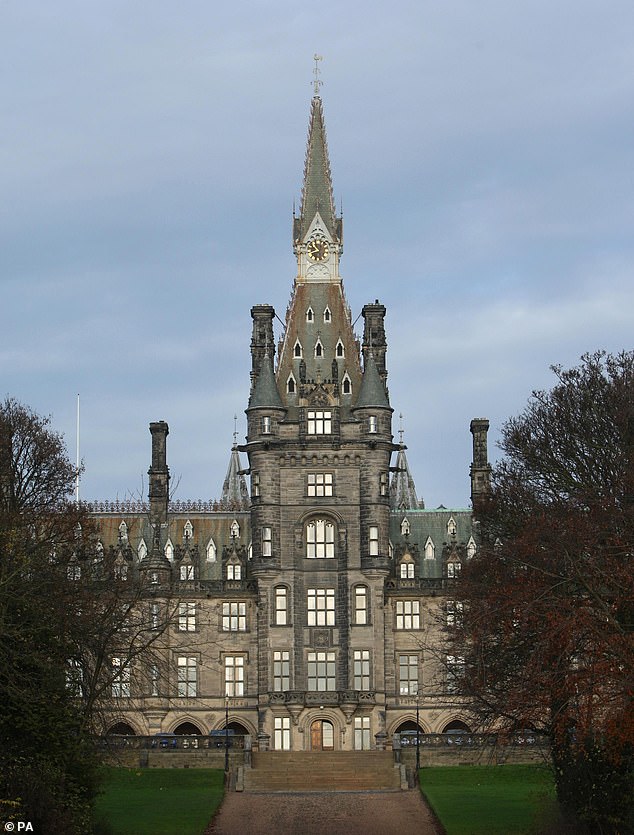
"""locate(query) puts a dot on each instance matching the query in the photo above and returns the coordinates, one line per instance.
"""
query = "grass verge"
(159, 801)
(490, 800)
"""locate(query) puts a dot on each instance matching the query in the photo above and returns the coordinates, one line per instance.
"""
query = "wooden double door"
(322, 735)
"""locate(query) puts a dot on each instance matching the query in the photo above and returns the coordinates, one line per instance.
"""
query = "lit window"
(407, 570)
(373, 541)
(234, 571)
(281, 605)
(321, 607)
(361, 669)
(187, 571)
(234, 617)
(267, 544)
(321, 671)
(282, 733)
(281, 670)
(372, 424)
(186, 617)
(319, 422)
(360, 605)
(266, 425)
(407, 614)
(453, 570)
(120, 678)
(187, 675)
(320, 540)
(234, 675)
(211, 551)
(408, 675)
(362, 733)
(320, 484)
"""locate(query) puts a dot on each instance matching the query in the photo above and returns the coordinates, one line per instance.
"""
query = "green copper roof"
(372, 392)
(317, 190)
(265, 392)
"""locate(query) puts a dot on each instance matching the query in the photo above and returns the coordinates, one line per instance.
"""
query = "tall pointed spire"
(402, 488)
(317, 194)
(234, 489)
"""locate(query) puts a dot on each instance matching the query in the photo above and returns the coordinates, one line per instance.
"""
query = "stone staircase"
(314, 771)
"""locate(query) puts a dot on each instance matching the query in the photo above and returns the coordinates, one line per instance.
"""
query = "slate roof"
(372, 391)
(402, 487)
(265, 393)
(234, 488)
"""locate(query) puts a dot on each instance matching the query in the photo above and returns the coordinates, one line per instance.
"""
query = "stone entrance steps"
(306, 771)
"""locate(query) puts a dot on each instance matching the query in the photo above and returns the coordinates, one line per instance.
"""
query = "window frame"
(407, 620)
(321, 668)
(234, 676)
(320, 606)
(319, 422)
(320, 485)
(281, 670)
(234, 616)
(186, 617)
(361, 670)
(187, 676)
(320, 539)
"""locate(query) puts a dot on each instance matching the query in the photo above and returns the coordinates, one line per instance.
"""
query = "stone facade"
(307, 611)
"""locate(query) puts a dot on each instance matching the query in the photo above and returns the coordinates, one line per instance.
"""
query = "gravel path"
(323, 813)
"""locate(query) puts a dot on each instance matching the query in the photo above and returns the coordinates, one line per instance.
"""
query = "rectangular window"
(187, 675)
(73, 571)
(362, 733)
(154, 615)
(383, 484)
(321, 671)
(281, 606)
(255, 485)
(282, 733)
(360, 605)
(186, 617)
(154, 680)
(234, 571)
(187, 572)
(373, 540)
(372, 424)
(321, 607)
(319, 423)
(408, 675)
(267, 542)
(361, 669)
(120, 678)
(320, 484)
(455, 670)
(234, 675)
(281, 671)
(454, 613)
(453, 570)
(234, 617)
(407, 614)
(266, 425)
(320, 540)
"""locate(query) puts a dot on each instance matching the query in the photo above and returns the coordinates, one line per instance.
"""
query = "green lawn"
(492, 800)
(159, 801)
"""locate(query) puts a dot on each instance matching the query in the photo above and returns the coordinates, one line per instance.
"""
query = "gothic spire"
(234, 489)
(317, 195)
(402, 488)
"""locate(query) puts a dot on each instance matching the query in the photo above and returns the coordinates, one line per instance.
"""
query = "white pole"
(77, 458)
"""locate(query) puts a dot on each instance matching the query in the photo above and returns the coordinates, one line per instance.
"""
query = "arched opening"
(121, 729)
(322, 735)
(238, 729)
(456, 727)
(407, 731)
(187, 729)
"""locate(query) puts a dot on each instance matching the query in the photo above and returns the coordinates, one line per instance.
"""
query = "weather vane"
(316, 82)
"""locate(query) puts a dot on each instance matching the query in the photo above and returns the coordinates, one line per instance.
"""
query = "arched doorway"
(322, 735)
(121, 729)
(187, 729)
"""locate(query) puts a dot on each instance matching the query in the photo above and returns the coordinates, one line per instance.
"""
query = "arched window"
(290, 384)
(471, 548)
(141, 550)
(297, 350)
(310, 316)
(451, 527)
(430, 549)
(212, 551)
(234, 530)
(405, 528)
(346, 384)
(169, 550)
(319, 349)
(320, 540)
(327, 315)
(123, 532)
(188, 531)
(281, 606)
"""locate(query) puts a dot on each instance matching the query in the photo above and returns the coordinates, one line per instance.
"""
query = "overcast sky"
(150, 154)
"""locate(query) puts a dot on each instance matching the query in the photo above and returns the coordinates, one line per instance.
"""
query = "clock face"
(317, 249)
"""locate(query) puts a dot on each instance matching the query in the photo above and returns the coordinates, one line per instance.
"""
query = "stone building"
(309, 608)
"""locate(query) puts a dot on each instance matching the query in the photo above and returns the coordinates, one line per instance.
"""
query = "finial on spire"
(235, 430)
(401, 430)
(316, 72)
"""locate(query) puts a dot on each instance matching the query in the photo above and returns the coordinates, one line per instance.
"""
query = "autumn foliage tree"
(547, 629)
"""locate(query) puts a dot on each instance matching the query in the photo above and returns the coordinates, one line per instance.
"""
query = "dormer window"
(328, 316)
(291, 386)
(187, 571)
(169, 550)
(123, 532)
(451, 527)
(319, 349)
(211, 551)
(297, 350)
(235, 529)
(266, 425)
(471, 548)
(234, 571)
(346, 384)
(430, 549)
(407, 568)
(188, 531)
(310, 316)
(339, 349)
(141, 550)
